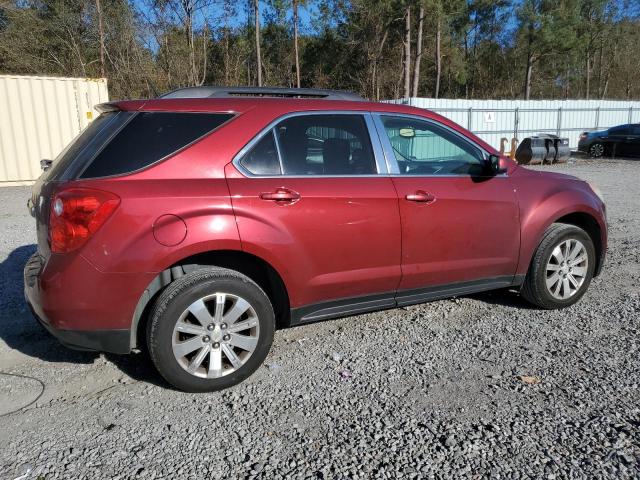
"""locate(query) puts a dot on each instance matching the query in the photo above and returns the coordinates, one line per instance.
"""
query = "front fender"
(543, 203)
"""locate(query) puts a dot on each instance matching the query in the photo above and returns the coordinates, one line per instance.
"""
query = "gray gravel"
(477, 387)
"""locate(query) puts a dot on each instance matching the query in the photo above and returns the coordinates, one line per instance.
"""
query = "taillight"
(583, 136)
(76, 214)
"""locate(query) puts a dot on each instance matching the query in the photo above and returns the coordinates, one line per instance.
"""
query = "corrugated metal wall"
(492, 120)
(39, 116)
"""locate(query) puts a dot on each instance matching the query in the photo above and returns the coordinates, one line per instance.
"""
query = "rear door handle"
(281, 195)
(420, 196)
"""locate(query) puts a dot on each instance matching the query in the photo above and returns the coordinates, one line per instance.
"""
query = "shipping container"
(39, 116)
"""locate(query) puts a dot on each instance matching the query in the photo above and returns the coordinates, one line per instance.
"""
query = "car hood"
(548, 175)
(598, 134)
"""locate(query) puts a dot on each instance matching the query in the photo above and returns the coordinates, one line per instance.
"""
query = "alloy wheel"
(215, 335)
(567, 269)
(596, 150)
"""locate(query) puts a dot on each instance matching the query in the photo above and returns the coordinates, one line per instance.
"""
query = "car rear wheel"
(596, 150)
(210, 330)
(561, 268)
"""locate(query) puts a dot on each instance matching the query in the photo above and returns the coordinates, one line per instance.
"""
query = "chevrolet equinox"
(194, 224)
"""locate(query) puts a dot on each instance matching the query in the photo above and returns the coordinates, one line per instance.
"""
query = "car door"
(460, 225)
(634, 142)
(621, 140)
(311, 197)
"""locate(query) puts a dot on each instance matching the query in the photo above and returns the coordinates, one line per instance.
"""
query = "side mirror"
(496, 165)
(45, 164)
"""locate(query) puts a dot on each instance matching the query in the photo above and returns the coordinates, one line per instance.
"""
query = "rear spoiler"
(107, 107)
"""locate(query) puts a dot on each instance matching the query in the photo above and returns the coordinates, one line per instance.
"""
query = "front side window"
(424, 148)
(315, 145)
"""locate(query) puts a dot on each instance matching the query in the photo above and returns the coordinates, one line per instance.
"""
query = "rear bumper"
(110, 341)
(55, 311)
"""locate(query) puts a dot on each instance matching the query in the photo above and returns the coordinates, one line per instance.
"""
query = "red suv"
(195, 223)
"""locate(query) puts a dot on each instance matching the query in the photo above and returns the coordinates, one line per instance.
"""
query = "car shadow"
(505, 297)
(139, 367)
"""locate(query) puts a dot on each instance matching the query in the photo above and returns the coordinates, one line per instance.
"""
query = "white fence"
(39, 116)
(492, 120)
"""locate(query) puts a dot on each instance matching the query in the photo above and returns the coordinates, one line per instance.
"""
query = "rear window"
(82, 148)
(149, 137)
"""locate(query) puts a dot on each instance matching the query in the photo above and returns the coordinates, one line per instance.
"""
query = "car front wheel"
(210, 329)
(561, 268)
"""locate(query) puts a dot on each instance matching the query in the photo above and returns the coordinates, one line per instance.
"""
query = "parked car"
(195, 224)
(620, 141)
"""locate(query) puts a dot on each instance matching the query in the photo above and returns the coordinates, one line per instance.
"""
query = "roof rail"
(226, 92)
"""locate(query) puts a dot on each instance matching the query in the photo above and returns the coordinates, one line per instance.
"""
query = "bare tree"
(101, 37)
(438, 54)
(256, 11)
(416, 66)
(295, 41)
(407, 53)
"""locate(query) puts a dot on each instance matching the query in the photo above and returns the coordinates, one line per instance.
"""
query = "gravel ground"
(477, 387)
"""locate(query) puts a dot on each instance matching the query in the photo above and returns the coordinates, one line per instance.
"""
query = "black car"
(620, 141)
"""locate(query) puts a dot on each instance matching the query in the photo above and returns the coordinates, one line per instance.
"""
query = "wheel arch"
(254, 267)
(589, 224)
(579, 218)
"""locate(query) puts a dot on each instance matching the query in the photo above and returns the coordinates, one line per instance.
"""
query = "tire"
(546, 268)
(208, 352)
(596, 150)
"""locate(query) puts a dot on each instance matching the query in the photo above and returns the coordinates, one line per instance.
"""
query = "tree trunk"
(226, 44)
(256, 10)
(588, 79)
(295, 41)
(529, 69)
(416, 67)
(187, 6)
(527, 78)
(101, 35)
(407, 54)
(436, 91)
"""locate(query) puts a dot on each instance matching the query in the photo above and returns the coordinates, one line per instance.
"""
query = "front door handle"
(281, 195)
(420, 196)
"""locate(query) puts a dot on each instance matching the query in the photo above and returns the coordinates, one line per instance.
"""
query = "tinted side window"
(329, 144)
(263, 159)
(149, 137)
(620, 131)
(424, 148)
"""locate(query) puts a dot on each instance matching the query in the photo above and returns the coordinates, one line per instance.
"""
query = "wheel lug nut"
(226, 338)
(223, 326)
(216, 345)
(210, 327)
(206, 338)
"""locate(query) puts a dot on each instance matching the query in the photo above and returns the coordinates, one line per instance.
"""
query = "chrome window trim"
(276, 140)
(378, 150)
(376, 147)
(390, 157)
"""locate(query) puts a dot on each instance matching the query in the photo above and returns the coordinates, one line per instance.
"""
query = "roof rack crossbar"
(226, 92)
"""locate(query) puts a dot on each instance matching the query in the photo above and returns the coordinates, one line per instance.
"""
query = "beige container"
(39, 116)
